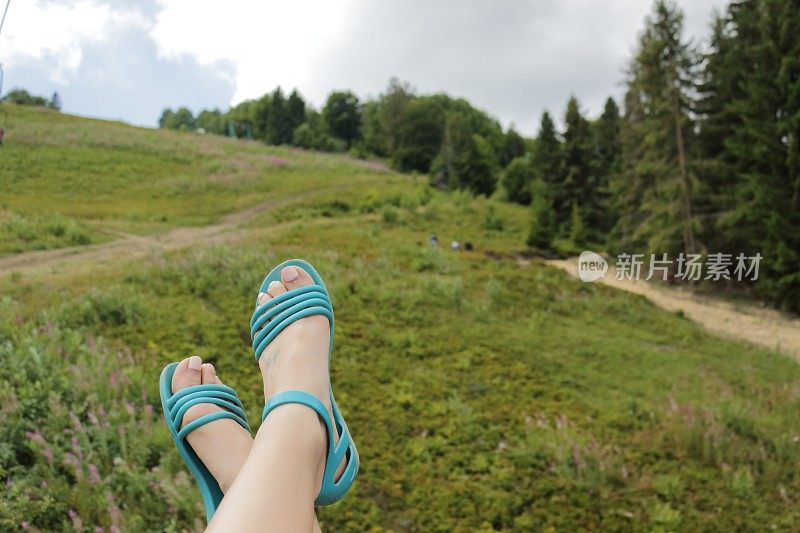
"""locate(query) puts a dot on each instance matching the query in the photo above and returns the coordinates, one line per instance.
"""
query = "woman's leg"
(275, 489)
(278, 483)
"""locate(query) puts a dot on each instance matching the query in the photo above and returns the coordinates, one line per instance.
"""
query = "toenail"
(290, 273)
(262, 297)
(195, 362)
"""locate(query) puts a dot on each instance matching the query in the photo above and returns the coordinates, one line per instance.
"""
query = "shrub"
(334, 208)
(84, 446)
(39, 232)
(100, 309)
(390, 215)
(517, 180)
(492, 221)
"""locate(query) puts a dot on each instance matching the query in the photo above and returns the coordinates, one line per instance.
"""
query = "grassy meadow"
(485, 390)
(70, 181)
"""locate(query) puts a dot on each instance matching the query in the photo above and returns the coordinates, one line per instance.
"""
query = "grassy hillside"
(486, 391)
(72, 181)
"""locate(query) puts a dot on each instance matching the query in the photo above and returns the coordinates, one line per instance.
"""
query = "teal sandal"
(269, 319)
(176, 405)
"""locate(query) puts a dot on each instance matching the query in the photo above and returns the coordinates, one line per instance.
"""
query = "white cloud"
(270, 42)
(60, 32)
(514, 58)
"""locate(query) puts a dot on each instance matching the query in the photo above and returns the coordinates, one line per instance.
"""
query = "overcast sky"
(128, 59)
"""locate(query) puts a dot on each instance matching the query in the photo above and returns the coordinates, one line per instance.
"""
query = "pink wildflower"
(76, 520)
(76, 422)
(114, 513)
(94, 475)
(70, 459)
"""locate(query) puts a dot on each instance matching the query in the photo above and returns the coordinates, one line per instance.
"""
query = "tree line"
(23, 97)
(702, 157)
(709, 144)
(460, 145)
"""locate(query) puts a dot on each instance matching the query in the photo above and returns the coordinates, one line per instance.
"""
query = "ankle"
(299, 429)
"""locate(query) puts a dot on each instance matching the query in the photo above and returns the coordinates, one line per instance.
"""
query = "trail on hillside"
(765, 327)
(128, 247)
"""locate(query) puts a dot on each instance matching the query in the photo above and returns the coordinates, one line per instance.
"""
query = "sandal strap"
(221, 395)
(271, 317)
(332, 489)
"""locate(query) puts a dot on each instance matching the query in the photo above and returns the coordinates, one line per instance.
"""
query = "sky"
(129, 59)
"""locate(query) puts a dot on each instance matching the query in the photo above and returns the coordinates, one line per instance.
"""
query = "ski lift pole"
(2, 21)
(5, 12)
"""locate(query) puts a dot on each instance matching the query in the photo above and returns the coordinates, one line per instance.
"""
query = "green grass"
(141, 181)
(21, 232)
(485, 393)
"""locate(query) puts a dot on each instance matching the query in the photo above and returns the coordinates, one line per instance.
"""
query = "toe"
(188, 373)
(209, 374)
(275, 288)
(262, 298)
(294, 277)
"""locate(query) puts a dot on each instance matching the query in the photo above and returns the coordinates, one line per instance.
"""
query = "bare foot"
(298, 358)
(222, 445)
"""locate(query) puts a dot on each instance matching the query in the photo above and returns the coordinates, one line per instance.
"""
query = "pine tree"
(577, 229)
(543, 222)
(606, 138)
(607, 159)
(547, 157)
(764, 146)
(279, 126)
(477, 167)
(656, 182)
(579, 181)
(296, 111)
(721, 84)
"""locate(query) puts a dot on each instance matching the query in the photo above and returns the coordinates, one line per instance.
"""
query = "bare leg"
(278, 483)
(275, 489)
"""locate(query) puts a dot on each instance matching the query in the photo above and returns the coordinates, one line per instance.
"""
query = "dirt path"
(760, 326)
(131, 247)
